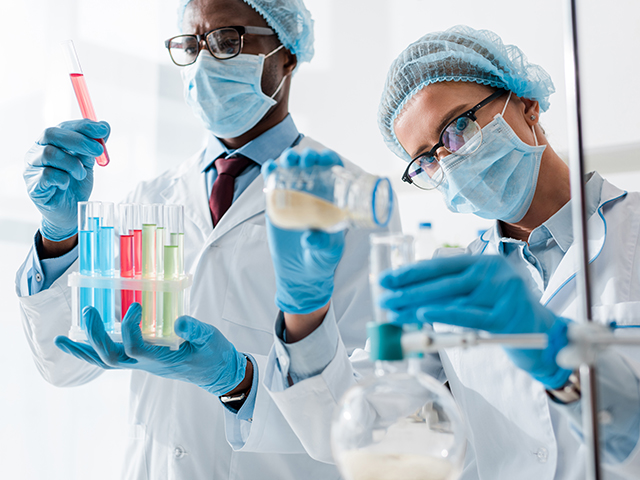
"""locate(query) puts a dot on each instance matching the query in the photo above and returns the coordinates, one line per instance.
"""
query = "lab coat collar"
(188, 188)
(597, 232)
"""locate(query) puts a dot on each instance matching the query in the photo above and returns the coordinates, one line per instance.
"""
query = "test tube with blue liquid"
(173, 265)
(105, 297)
(88, 226)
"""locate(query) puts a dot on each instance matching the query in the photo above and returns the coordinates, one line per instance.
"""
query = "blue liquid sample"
(85, 246)
(105, 297)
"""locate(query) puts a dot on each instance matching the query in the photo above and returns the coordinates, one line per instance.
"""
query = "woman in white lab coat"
(464, 110)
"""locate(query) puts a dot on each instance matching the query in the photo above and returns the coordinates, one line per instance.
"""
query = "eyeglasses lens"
(425, 172)
(224, 43)
(184, 49)
(462, 132)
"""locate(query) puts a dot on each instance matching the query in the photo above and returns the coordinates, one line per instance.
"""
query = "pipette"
(82, 94)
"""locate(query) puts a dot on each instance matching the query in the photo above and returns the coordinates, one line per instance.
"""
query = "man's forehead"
(211, 14)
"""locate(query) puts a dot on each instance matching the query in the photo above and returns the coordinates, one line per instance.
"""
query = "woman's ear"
(531, 111)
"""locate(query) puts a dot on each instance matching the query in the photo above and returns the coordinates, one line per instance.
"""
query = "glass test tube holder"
(175, 292)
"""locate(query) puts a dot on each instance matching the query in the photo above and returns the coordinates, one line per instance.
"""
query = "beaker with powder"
(327, 198)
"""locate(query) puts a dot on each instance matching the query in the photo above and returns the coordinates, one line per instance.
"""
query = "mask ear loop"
(283, 78)
(505, 105)
(535, 137)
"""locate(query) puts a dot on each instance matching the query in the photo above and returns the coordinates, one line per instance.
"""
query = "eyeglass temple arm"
(487, 100)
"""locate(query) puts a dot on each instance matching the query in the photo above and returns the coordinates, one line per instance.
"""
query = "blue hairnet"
(459, 54)
(290, 19)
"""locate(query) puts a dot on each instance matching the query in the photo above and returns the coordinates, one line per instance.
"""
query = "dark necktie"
(222, 191)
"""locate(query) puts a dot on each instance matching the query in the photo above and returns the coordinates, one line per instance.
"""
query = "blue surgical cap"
(290, 19)
(459, 54)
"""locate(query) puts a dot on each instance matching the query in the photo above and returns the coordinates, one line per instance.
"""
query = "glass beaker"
(387, 251)
(327, 198)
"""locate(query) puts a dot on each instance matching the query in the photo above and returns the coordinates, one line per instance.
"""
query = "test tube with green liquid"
(149, 261)
(173, 265)
(159, 215)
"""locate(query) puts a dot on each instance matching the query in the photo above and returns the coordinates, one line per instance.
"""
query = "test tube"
(127, 217)
(82, 93)
(159, 215)
(137, 249)
(149, 229)
(172, 305)
(388, 252)
(88, 223)
(105, 297)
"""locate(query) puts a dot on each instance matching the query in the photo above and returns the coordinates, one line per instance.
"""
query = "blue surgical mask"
(227, 94)
(498, 180)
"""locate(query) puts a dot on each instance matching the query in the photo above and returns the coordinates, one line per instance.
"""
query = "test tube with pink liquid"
(82, 94)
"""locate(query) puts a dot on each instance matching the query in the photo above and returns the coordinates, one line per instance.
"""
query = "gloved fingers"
(425, 271)
(323, 250)
(89, 128)
(109, 352)
(439, 292)
(194, 331)
(49, 156)
(72, 141)
(329, 158)
(309, 158)
(462, 316)
(268, 167)
(45, 187)
(134, 344)
(404, 317)
(290, 158)
(81, 351)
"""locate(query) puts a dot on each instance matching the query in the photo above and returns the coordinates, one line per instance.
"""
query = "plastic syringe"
(82, 94)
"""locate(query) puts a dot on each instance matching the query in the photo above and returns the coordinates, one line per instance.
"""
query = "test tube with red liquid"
(129, 215)
(82, 94)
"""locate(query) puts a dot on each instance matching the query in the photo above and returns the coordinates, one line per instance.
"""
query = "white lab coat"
(177, 430)
(512, 431)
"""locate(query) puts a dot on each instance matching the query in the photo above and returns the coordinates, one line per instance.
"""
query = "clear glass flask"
(399, 422)
(327, 198)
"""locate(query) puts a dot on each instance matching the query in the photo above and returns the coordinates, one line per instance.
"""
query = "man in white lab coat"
(463, 110)
(238, 58)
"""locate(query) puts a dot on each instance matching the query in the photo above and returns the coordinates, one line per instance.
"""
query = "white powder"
(290, 209)
(367, 465)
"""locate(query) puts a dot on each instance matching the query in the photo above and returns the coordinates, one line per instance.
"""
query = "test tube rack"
(175, 295)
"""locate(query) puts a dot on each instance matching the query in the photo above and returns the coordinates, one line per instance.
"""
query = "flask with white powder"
(327, 198)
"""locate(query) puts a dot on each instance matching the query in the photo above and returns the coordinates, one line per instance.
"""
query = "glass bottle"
(327, 198)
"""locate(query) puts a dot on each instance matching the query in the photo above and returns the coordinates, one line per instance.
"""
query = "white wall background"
(53, 433)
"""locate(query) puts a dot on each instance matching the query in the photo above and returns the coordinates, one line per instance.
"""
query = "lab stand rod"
(431, 342)
(576, 162)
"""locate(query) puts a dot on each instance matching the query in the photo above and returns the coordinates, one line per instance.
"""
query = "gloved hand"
(59, 173)
(304, 261)
(207, 359)
(480, 292)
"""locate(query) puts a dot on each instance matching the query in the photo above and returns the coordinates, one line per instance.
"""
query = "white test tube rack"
(179, 287)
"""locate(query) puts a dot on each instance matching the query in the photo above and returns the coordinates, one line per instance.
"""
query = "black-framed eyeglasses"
(463, 131)
(223, 43)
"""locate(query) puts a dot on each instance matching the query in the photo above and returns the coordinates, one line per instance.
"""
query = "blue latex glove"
(59, 173)
(480, 292)
(207, 359)
(304, 261)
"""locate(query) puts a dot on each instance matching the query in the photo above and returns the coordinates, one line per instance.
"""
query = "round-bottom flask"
(398, 424)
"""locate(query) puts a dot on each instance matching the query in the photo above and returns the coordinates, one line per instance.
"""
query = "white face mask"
(498, 180)
(227, 94)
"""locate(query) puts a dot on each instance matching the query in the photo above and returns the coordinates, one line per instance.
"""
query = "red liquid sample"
(86, 108)
(137, 260)
(126, 271)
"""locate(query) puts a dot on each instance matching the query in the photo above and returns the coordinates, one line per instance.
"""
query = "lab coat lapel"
(189, 189)
(596, 232)
(250, 203)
